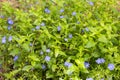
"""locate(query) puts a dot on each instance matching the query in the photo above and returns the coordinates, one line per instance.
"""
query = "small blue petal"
(37, 27)
(10, 38)
(15, 58)
(43, 66)
(87, 65)
(31, 44)
(9, 27)
(47, 10)
(42, 24)
(70, 36)
(111, 66)
(62, 10)
(61, 17)
(89, 79)
(4, 40)
(47, 58)
(87, 29)
(91, 3)
(41, 52)
(58, 28)
(48, 50)
(74, 13)
(67, 64)
(100, 61)
(10, 21)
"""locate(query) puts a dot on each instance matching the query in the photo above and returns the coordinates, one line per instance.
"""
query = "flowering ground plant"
(60, 40)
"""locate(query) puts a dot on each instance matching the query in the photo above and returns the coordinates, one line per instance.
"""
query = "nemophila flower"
(66, 39)
(37, 27)
(43, 66)
(33, 29)
(87, 29)
(31, 44)
(47, 10)
(47, 58)
(86, 64)
(9, 27)
(70, 36)
(10, 38)
(100, 61)
(1, 16)
(91, 3)
(58, 28)
(111, 66)
(41, 52)
(15, 58)
(61, 17)
(78, 22)
(62, 10)
(48, 50)
(102, 79)
(73, 13)
(42, 24)
(10, 21)
(89, 79)
(4, 39)
(67, 64)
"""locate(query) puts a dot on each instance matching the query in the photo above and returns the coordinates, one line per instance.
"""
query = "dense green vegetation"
(60, 40)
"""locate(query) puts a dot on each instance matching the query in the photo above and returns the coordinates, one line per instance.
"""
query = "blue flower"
(47, 10)
(10, 38)
(70, 36)
(48, 50)
(78, 22)
(100, 61)
(87, 65)
(47, 58)
(42, 24)
(9, 27)
(43, 66)
(61, 17)
(89, 79)
(33, 29)
(73, 13)
(62, 10)
(58, 28)
(102, 79)
(91, 3)
(41, 52)
(37, 27)
(31, 44)
(15, 58)
(87, 29)
(1, 16)
(4, 39)
(111, 66)
(10, 21)
(67, 64)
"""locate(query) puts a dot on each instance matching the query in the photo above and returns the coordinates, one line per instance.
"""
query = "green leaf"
(49, 75)
(27, 68)
(90, 44)
(14, 52)
(26, 47)
(33, 57)
(102, 38)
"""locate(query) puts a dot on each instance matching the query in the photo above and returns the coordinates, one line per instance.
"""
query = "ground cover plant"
(60, 40)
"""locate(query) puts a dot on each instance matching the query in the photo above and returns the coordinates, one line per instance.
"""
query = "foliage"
(60, 40)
